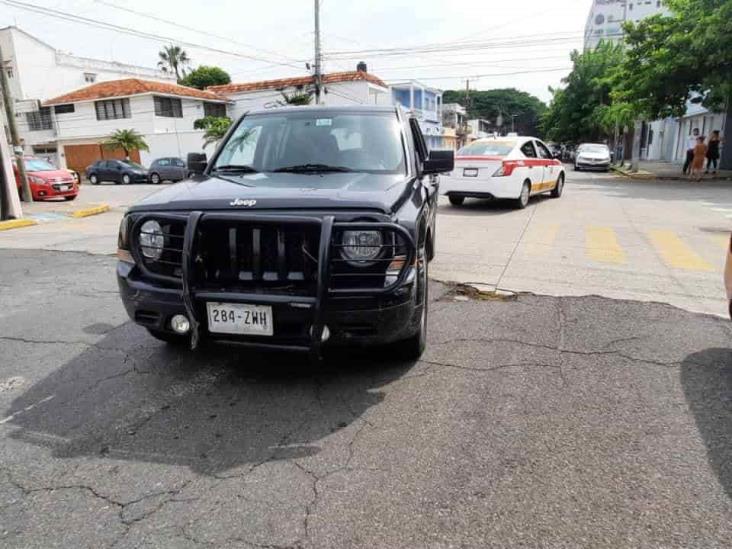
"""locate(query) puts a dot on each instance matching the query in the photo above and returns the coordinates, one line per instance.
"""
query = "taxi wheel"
(557, 190)
(456, 200)
(523, 200)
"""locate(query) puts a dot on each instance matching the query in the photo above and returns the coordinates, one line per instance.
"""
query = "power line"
(189, 28)
(66, 16)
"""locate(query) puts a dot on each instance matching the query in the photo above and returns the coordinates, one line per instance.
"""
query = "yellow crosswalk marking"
(676, 253)
(541, 238)
(601, 244)
(721, 239)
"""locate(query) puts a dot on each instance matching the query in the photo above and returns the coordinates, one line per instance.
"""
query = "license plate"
(240, 319)
(470, 172)
(64, 187)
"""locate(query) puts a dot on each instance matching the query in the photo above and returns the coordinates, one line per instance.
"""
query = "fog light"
(180, 324)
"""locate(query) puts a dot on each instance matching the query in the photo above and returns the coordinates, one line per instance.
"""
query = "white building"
(340, 88)
(426, 103)
(163, 113)
(606, 18)
(36, 71)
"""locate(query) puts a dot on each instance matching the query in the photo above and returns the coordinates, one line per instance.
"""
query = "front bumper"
(590, 165)
(42, 192)
(366, 317)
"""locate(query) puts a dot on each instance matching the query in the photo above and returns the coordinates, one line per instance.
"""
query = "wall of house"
(42, 73)
(164, 135)
(357, 92)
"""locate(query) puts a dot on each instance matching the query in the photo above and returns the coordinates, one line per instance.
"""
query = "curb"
(633, 175)
(16, 224)
(94, 210)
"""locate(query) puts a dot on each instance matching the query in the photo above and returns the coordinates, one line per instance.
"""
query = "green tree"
(205, 76)
(173, 59)
(670, 59)
(583, 109)
(127, 140)
(296, 98)
(491, 104)
(215, 126)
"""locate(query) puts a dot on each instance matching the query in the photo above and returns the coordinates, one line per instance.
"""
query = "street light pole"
(10, 115)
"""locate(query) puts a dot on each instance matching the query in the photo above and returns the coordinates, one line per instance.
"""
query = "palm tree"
(174, 59)
(127, 140)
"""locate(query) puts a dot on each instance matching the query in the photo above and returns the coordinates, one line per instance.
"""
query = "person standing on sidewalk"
(699, 154)
(713, 152)
(690, 145)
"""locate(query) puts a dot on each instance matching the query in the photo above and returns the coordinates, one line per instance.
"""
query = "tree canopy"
(670, 57)
(490, 104)
(204, 76)
(583, 109)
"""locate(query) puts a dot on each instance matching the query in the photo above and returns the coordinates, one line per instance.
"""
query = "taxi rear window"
(487, 148)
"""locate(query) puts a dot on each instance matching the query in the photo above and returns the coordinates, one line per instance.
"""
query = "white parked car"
(514, 168)
(592, 156)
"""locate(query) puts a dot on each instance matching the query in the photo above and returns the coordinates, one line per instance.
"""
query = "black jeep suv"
(309, 225)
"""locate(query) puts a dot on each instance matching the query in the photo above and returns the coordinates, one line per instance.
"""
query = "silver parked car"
(167, 169)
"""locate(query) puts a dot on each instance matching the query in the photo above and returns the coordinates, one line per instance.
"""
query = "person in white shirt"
(690, 144)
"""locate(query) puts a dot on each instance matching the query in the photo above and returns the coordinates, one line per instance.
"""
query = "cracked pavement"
(537, 422)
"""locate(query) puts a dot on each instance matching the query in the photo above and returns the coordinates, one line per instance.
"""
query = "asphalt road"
(536, 422)
(663, 241)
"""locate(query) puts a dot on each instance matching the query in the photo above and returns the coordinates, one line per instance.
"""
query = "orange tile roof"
(131, 86)
(350, 76)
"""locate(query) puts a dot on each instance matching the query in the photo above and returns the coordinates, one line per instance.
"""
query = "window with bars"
(112, 109)
(168, 106)
(39, 120)
(214, 109)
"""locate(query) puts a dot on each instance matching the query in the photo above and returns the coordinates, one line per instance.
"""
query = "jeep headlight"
(361, 247)
(152, 240)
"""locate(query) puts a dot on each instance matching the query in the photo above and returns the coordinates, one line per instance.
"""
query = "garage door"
(80, 157)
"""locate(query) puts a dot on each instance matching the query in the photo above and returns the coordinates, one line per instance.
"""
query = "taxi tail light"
(506, 169)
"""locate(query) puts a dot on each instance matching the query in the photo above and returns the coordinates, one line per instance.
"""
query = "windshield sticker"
(324, 122)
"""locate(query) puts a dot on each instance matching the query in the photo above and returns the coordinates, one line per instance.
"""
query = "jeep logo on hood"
(242, 203)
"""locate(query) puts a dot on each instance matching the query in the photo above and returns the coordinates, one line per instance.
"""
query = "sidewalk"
(666, 171)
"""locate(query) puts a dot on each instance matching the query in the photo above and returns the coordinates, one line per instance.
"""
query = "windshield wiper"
(235, 168)
(313, 168)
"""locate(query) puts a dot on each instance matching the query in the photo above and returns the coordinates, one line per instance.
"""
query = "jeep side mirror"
(439, 162)
(196, 163)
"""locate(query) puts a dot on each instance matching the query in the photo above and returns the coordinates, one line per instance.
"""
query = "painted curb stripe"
(86, 212)
(16, 224)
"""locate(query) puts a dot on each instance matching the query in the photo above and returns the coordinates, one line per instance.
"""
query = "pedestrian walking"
(699, 153)
(713, 152)
(690, 144)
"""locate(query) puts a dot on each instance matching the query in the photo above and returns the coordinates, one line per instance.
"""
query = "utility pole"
(635, 152)
(10, 115)
(318, 59)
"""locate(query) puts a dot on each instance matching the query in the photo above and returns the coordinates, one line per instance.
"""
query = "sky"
(523, 44)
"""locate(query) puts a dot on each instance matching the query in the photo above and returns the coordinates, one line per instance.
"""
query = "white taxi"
(514, 168)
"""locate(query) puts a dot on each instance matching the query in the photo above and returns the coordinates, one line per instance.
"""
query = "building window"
(90, 77)
(168, 106)
(64, 109)
(214, 109)
(112, 109)
(39, 120)
(9, 72)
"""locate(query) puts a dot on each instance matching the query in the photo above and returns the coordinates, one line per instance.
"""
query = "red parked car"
(47, 181)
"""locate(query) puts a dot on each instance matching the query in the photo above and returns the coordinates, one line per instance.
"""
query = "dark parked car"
(117, 171)
(309, 226)
(167, 169)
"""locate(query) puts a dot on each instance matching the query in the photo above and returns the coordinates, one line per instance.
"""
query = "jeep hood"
(281, 191)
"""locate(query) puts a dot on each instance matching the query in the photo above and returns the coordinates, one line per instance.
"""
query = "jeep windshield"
(314, 142)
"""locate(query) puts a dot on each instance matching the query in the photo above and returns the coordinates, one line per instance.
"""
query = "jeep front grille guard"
(326, 246)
